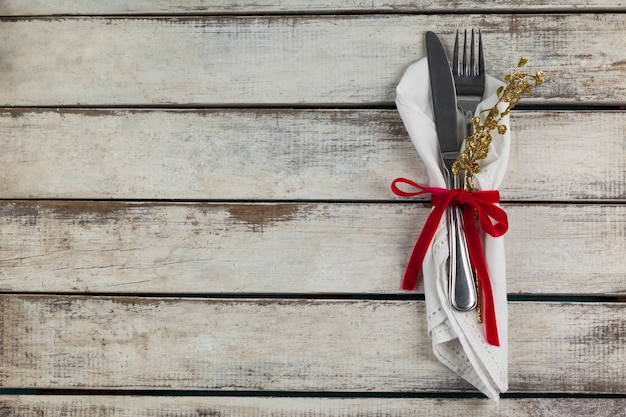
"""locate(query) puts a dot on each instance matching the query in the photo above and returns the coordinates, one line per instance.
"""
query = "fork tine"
(472, 70)
(464, 68)
(455, 55)
(481, 63)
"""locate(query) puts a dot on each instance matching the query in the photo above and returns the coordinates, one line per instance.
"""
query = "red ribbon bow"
(493, 221)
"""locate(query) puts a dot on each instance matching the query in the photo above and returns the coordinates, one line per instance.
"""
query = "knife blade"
(444, 99)
(461, 284)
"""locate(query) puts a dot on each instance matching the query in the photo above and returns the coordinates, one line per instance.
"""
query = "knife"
(462, 288)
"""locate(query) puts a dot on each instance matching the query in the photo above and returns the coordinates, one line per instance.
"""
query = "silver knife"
(462, 288)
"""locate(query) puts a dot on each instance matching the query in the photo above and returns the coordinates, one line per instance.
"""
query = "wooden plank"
(281, 344)
(286, 248)
(127, 406)
(543, 157)
(91, 7)
(284, 60)
(285, 154)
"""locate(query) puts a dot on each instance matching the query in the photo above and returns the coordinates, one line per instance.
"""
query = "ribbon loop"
(492, 219)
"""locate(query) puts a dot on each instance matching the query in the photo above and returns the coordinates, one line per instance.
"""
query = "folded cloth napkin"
(458, 339)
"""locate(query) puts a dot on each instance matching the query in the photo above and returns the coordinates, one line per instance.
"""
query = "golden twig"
(477, 144)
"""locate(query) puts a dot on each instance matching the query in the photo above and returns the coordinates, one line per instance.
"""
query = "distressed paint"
(214, 406)
(296, 248)
(291, 344)
(260, 154)
(91, 7)
(251, 160)
(284, 60)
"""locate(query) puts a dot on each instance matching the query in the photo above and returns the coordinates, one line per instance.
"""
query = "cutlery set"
(456, 91)
(454, 145)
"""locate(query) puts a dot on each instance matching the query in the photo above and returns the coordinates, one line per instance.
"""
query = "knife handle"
(462, 288)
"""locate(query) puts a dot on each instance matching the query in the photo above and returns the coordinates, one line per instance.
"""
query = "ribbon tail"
(478, 260)
(414, 266)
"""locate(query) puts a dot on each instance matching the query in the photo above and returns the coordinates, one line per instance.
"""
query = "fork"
(469, 81)
(469, 78)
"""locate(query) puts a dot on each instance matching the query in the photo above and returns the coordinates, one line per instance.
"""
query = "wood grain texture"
(285, 154)
(108, 406)
(285, 60)
(193, 101)
(94, 7)
(286, 248)
(331, 345)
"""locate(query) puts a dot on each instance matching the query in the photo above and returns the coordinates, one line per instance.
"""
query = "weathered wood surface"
(114, 247)
(331, 345)
(277, 60)
(193, 101)
(285, 154)
(94, 7)
(116, 406)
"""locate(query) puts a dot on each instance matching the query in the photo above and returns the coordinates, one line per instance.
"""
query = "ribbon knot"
(463, 196)
(492, 219)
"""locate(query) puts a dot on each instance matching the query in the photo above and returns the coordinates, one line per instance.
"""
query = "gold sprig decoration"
(477, 144)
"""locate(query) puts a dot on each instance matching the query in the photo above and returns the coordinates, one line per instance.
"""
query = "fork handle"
(468, 115)
(462, 287)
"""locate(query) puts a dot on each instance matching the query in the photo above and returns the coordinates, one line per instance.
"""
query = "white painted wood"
(290, 59)
(298, 345)
(45, 7)
(286, 248)
(285, 155)
(303, 345)
(127, 406)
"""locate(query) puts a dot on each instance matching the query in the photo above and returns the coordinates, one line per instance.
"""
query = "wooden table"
(197, 220)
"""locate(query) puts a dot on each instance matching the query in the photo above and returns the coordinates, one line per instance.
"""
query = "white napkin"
(458, 339)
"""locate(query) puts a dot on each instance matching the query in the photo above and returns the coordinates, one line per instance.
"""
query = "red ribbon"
(493, 221)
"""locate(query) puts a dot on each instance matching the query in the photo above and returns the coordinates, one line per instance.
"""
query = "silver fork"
(469, 81)
(469, 78)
